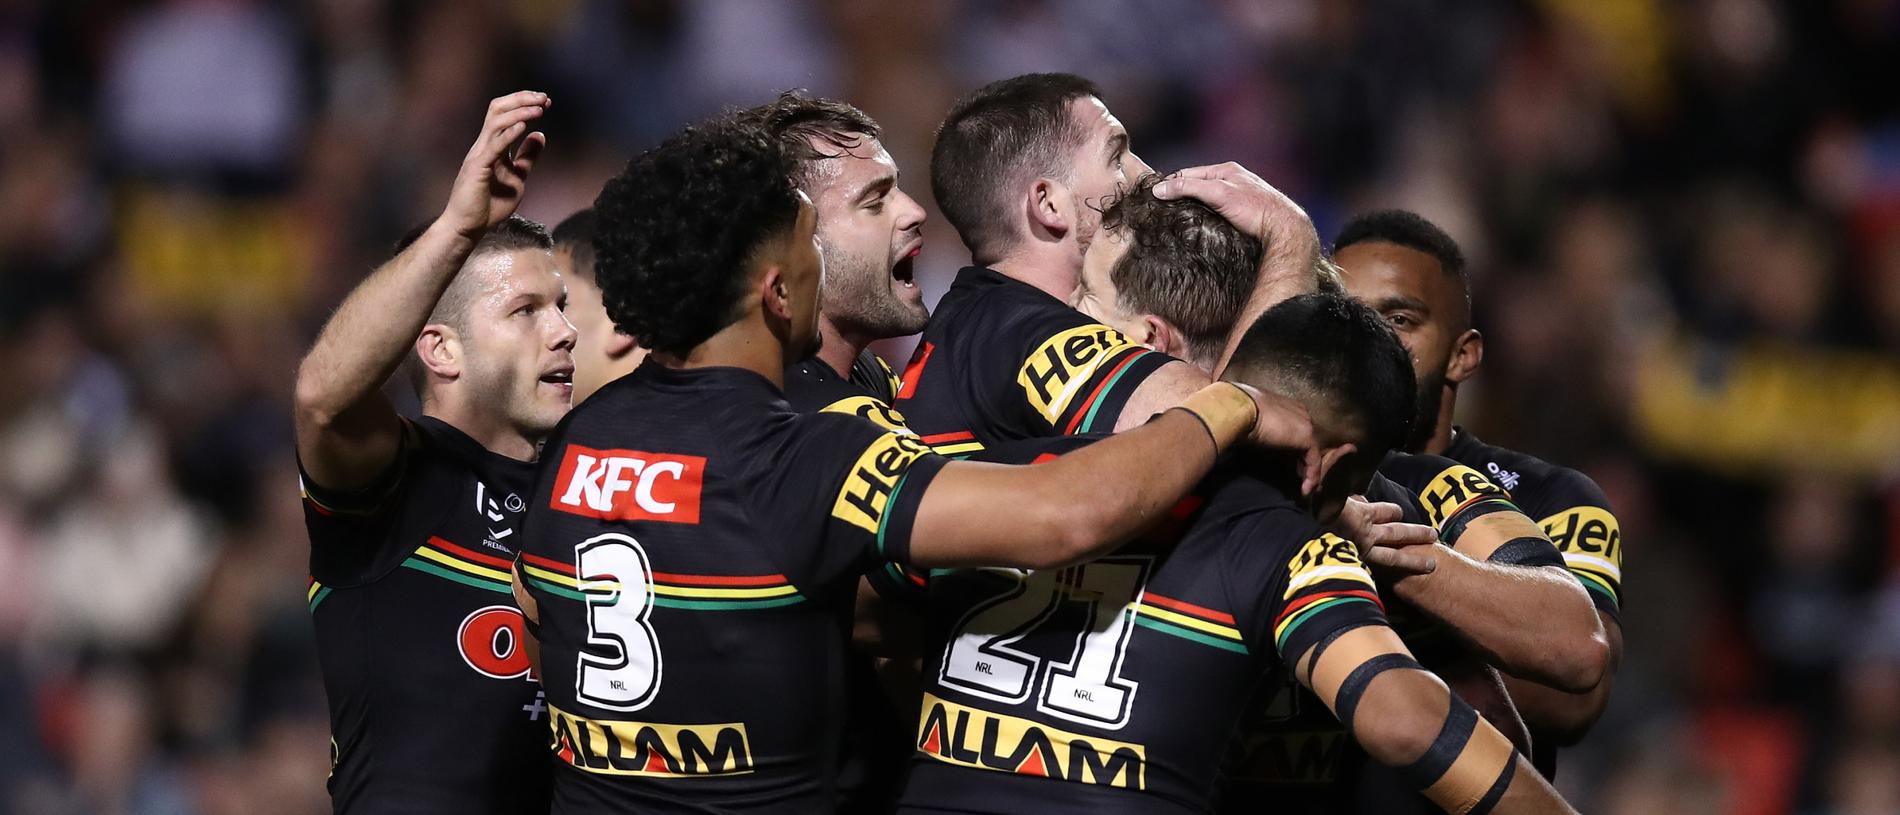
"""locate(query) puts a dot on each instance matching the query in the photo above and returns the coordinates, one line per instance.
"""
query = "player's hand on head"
(1244, 199)
(1282, 423)
(494, 174)
(1383, 538)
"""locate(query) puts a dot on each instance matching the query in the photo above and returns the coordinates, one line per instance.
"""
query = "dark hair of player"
(510, 235)
(576, 235)
(796, 120)
(1335, 353)
(999, 134)
(1185, 263)
(679, 226)
(1407, 229)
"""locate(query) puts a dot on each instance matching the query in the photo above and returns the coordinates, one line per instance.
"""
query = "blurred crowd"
(1684, 218)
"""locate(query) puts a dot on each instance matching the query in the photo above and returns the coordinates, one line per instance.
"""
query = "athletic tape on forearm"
(1496, 793)
(1354, 687)
(1228, 412)
(1460, 721)
(1527, 551)
(1455, 525)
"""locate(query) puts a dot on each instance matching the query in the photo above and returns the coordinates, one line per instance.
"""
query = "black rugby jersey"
(1001, 360)
(1113, 686)
(694, 547)
(1569, 507)
(432, 705)
(876, 737)
(1573, 511)
(1290, 754)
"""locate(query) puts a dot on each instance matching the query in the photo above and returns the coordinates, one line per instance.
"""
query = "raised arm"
(347, 431)
(1084, 504)
(1406, 718)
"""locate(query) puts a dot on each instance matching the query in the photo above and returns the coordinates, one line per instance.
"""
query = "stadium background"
(1684, 218)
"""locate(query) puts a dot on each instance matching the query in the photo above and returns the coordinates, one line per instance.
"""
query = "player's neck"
(1441, 435)
(494, 433)
(746, 344)
(840, 348)
(1053, 278)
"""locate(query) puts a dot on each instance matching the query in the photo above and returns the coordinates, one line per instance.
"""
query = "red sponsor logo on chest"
(629, 485)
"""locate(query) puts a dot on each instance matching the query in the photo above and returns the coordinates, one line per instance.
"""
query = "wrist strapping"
(1228, 412)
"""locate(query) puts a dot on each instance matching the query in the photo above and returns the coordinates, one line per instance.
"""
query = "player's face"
(601, 353)
(1421, 302)
(803, 267)
(1096, 294)
(518, 346)
(1103, 166)
(870, 233)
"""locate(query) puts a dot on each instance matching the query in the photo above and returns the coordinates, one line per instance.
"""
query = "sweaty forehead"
(1376, 270)
(847, 171)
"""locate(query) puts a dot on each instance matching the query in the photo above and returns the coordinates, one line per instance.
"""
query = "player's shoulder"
(1236, 491)
(1539, 486)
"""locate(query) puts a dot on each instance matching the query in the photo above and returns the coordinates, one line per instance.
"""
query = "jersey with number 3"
(693, 547)
(1113, 686)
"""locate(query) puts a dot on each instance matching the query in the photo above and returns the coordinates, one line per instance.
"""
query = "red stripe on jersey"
(1189, 608)
(941, 438)
(1303, 602)
(547, 564)
(915, 371)
(721, 580)
(1083, 409)
(487, 560)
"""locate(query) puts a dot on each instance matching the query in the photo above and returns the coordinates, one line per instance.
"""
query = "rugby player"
(1112, 686)
(693, 547)
(413, 522)
(1414, 274)
(602, 353)
(869, 235)
(1172, 275)
(1020, 168)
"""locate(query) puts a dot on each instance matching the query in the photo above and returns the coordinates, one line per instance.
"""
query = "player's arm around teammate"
(347, 431)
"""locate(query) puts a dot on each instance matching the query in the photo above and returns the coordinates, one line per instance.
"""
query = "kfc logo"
(628, 485)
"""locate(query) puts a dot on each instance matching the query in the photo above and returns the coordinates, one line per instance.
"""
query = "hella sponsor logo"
(629, 485)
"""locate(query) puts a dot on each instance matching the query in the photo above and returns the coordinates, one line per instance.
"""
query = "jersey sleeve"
(1386, 490)
(1573, 511)
(864, 480)
(1451, 494)
(1070, 374)
(1293, 585)
(349, 529)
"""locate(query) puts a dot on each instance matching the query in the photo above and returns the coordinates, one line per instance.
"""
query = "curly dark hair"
(1185, 263)
(678, 228)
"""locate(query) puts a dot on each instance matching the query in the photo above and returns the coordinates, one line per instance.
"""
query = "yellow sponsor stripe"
(1354, 573)
(665, 590)
(1185, 621)
(312, 593)
(464, 566)
(957, 449)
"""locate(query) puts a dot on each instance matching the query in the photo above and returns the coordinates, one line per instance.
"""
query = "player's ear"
(1160, 336)
(1048, 206)
(619, 345)
(775, 293)
(1466, 355)
(440, 350)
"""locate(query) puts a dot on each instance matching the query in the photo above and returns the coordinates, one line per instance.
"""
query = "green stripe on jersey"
(1189, 634)
(466, 580)
(1307, 613)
